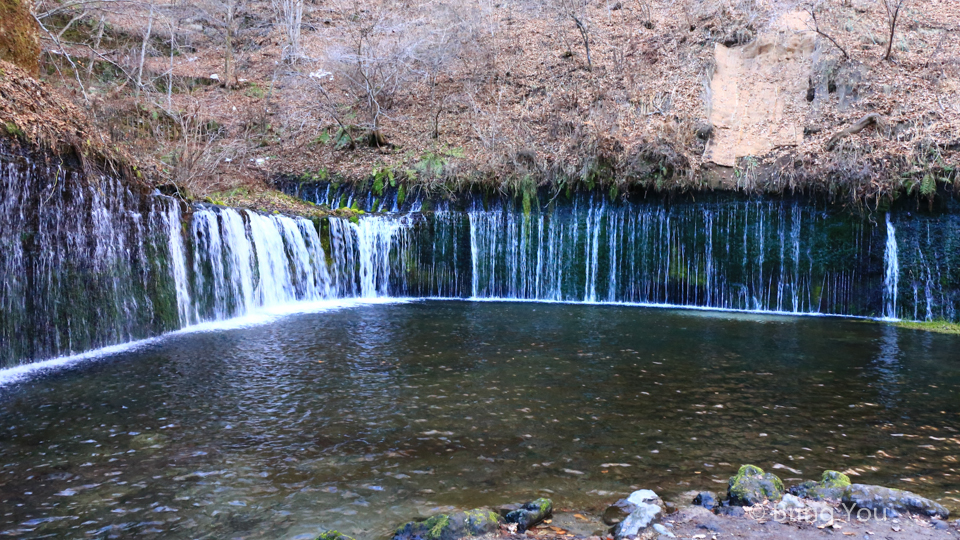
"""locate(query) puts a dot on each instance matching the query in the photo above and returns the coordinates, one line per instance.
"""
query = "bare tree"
(226, 16)
(378, 61)
(892, 7)
(812, 10)
(290, 16)
(576, 10)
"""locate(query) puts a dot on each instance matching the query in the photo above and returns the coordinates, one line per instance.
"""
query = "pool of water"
(362, 418)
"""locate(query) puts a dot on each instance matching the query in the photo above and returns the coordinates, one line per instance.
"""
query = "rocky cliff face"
(19, 35)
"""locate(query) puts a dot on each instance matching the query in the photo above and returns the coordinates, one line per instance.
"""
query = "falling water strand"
(891, 275)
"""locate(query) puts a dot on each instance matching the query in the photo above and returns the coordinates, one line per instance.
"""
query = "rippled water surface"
(362, 418)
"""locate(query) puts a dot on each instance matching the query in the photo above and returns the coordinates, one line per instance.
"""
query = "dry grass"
(472, 92)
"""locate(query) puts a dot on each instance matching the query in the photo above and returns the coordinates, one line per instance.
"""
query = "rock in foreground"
(752, 486)
(475, 522)
(530, 514)
(830, 486)
(647, 511)
(889, 502)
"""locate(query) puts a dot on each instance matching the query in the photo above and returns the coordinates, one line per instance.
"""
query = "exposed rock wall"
(19, 35)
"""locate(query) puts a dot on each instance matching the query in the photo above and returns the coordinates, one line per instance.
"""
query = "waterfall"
(891, 272)
(594, 250)
(89, 263)
(366, 252)
(244, 260)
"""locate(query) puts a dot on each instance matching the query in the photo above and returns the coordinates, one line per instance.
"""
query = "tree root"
(862, 124)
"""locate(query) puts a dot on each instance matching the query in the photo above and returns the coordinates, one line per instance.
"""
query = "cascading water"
(90, 263)
(85, 261)
(891, 272)
(597, 251)
(776, 256)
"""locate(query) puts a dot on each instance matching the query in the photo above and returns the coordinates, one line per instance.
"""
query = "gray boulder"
(706, 499)
(890, 502)
(647, 511)
(477, 522)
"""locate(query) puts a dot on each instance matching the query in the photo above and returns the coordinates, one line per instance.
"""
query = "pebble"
(663, 530)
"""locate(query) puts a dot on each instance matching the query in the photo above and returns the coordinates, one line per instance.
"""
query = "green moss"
(939, 327)
(436, 525)
(747, 470)
(751, 486)
(333, 535)
(545, 504)
(834, 479)
(13, 129)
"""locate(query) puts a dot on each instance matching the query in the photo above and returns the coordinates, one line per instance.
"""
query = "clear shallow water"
(365, 417)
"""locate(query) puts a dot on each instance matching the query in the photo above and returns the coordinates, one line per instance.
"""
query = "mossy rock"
(830, 486)
(334, 535)
(19, 35)
(530, 514)
(476, 522)
(752, 486)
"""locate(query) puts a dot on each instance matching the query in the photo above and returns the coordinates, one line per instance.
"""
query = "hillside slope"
(748, 95)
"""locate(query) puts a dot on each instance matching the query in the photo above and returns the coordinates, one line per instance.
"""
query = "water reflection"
(886, 368)
(361, 418)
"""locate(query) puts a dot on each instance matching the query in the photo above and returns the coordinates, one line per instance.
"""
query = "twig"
(816, 28)
(586, 39)
(76, 71)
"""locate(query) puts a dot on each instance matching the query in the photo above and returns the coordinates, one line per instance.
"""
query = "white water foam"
(265, 316)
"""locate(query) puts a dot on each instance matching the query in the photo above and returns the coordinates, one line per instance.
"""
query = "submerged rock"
(647, 510)
(706, 499)
(475, 522)
(889, 502)
(752, 486)
(333, 535)
(830, 486)
(529, 514)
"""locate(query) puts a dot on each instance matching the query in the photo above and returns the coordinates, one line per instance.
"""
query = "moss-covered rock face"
(334, 535)
(19, 36)
(830, 486)
(476, 522)
(834, 479)
(530, 514)
(752, 486)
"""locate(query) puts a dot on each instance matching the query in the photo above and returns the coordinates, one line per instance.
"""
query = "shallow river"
(362, 418)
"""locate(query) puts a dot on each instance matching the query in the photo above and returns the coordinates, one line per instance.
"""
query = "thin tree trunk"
(170, 73)
(228, 56)
(892, 16)
(143, 51)
(93, 51)
(586, 39)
